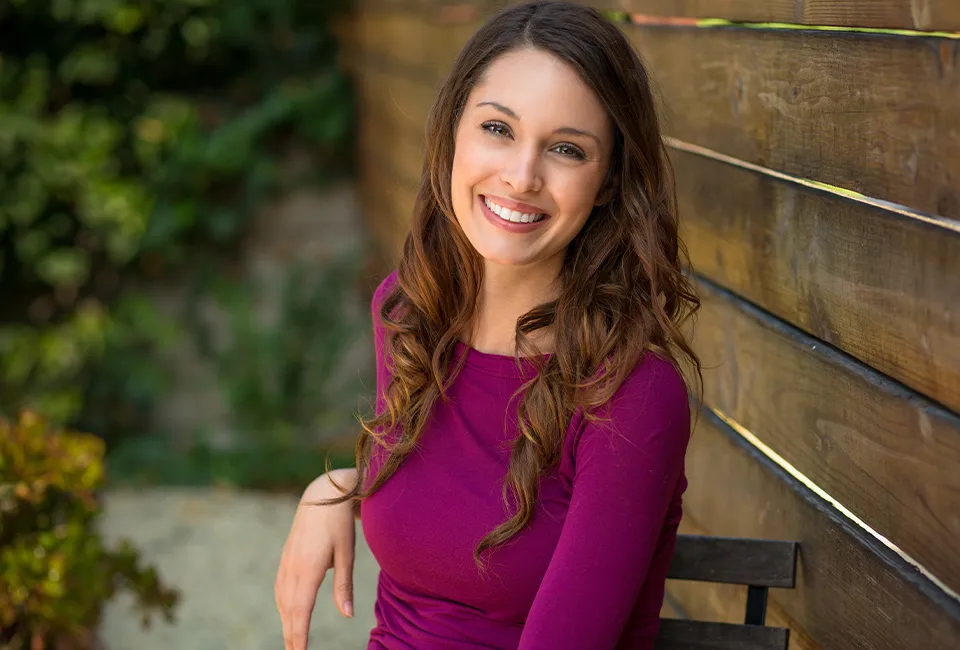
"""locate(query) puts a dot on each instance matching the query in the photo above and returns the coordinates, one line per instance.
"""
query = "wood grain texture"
(393, 110)
(756, 562)
(402, 102)
(420, 42)
(448, 11)
(382, 225)
(888, 455)
(925, 15)
(701, 635)
(392, 113)
(670, 610)
(883, 287)
(397, 145)
(879, 115)
(388, 203)
(851, 592)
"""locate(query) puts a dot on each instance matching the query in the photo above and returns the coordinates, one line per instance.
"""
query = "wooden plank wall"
(815, 145)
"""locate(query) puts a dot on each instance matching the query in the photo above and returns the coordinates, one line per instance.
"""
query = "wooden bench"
(757, 563)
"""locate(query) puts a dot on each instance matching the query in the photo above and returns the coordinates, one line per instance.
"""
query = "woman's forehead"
(538, 86)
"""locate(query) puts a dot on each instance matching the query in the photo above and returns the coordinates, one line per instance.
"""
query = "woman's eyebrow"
(569, 130)
(501, 108)
(563, 130)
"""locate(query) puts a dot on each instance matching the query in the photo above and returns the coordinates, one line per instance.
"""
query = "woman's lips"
(514, 205)
(509, 226)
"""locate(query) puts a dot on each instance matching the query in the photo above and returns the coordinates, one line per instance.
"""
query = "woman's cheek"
(580, 192)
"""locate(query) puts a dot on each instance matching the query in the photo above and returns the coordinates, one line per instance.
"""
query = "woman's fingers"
(298, 612)
(318, 536)
(297, 585)
(343, 574)
(281, 589)
(300, 615)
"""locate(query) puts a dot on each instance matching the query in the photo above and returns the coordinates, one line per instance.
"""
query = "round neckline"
(500, 365)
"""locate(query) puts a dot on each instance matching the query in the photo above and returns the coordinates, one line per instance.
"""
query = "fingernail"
(348, 609)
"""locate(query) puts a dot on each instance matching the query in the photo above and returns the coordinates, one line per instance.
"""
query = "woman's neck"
(507, 294)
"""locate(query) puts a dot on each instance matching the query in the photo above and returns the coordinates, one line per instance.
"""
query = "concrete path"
(221, 549)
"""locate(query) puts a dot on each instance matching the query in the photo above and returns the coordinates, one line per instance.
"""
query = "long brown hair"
(624, 291)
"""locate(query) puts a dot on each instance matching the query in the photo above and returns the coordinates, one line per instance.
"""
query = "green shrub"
(137, 138)
(280, 373)
(278, 377)
(55, 571)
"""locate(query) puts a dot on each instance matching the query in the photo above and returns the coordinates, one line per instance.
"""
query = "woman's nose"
(522, 172)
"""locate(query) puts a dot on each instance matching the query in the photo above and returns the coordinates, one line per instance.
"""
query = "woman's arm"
(322, 487)
(321, 538)
(627, 472)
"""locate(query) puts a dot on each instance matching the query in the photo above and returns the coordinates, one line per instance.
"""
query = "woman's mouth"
(511, 220)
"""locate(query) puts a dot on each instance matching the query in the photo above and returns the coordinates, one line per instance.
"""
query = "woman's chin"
(508, 259)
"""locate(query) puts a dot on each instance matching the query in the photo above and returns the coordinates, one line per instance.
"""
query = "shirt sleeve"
(626, 473)
(379, 333)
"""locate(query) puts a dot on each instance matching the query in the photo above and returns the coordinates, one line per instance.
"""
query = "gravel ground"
(221, 549)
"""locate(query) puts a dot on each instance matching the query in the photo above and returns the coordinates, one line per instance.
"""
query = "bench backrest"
(757, 563)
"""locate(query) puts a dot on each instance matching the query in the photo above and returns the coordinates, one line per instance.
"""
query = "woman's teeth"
(512, 215)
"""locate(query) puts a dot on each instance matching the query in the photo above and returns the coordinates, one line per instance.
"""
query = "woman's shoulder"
(644, 424)
(380, 294)
(379, 331)
(653, 396)
(653, 376)
(655, 373)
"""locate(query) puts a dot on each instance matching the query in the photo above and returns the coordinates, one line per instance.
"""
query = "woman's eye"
(571, 151)
(501, 130)
(496, 128)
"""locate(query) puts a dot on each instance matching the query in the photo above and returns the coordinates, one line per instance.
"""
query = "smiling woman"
(533, 139)
(520, 483)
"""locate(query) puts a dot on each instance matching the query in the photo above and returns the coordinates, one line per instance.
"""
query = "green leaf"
(224, 223)
(119, 209)
(20, 354)
(34, 87)
(27, 200)
(197, 32)
(124, 19)
(90, 64)
(32, 245)
(64, 267)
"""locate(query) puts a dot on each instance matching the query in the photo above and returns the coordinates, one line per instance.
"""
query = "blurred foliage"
(156, 459)
(89, 360)
(55, 572)
(138, 136)
(279, 375)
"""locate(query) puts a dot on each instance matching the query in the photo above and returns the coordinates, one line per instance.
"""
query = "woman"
(523, 475)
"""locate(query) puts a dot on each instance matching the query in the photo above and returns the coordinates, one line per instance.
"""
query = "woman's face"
(533, 145)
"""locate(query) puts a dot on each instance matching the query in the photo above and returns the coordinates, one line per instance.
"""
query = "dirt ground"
(221, 549)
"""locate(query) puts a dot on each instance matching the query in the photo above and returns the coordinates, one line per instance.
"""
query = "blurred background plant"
(138, 138)
(148, 149)
(279, 377)
(56, 573)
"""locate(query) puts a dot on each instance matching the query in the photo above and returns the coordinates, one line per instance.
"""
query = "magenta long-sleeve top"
(588, 571)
